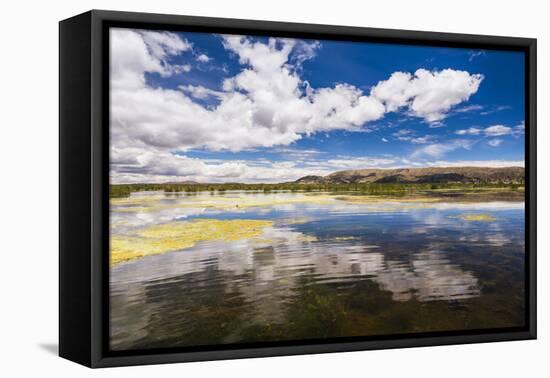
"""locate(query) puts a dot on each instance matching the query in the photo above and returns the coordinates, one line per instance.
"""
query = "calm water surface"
(324, 269)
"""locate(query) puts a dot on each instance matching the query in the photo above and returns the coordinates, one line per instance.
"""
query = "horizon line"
(286, 182)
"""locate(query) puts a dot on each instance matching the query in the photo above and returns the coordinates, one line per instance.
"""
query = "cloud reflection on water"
(404, 251)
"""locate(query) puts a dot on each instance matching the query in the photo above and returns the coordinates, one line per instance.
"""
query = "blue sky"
(230, 108)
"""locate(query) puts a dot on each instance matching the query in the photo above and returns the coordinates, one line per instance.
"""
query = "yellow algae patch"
(119, 223)
(227, 202)
(136, 204)
(384, 199)
(179, 235)
(284, 200)
(137, 200)
(344, 238)
(300, 220)
(307, 238)
(477, 217)
(137, 209)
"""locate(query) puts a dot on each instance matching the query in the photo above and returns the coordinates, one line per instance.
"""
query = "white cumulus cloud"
(498, 130)
(266, 104)
(469, 131)
(491, 131)
(135, 52)
(427, 94)
(203, 58)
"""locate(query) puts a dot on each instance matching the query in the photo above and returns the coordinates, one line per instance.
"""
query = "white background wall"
(29, 187)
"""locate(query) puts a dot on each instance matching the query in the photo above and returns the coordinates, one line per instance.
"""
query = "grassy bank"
(124, 190)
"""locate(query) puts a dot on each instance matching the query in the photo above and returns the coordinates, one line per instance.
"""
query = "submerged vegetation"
(179, 235)
(477, 217)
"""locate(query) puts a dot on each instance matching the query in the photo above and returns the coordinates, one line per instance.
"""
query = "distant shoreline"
(449, 190)
(410, 175)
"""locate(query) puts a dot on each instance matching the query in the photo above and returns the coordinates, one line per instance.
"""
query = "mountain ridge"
(439, 175)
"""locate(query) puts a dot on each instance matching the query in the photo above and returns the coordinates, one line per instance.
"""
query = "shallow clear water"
(327, 268)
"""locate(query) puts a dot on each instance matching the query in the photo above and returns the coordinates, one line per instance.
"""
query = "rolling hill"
(439, 175)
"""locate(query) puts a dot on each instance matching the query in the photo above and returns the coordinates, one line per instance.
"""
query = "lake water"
(325, 266)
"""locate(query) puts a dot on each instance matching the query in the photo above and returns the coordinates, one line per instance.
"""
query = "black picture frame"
(84, 177)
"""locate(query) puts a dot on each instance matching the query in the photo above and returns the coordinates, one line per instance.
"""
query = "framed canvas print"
(234, 188)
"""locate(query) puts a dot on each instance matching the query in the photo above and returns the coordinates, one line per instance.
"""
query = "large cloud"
(135, 52)
(426, 94)
(267, 104)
